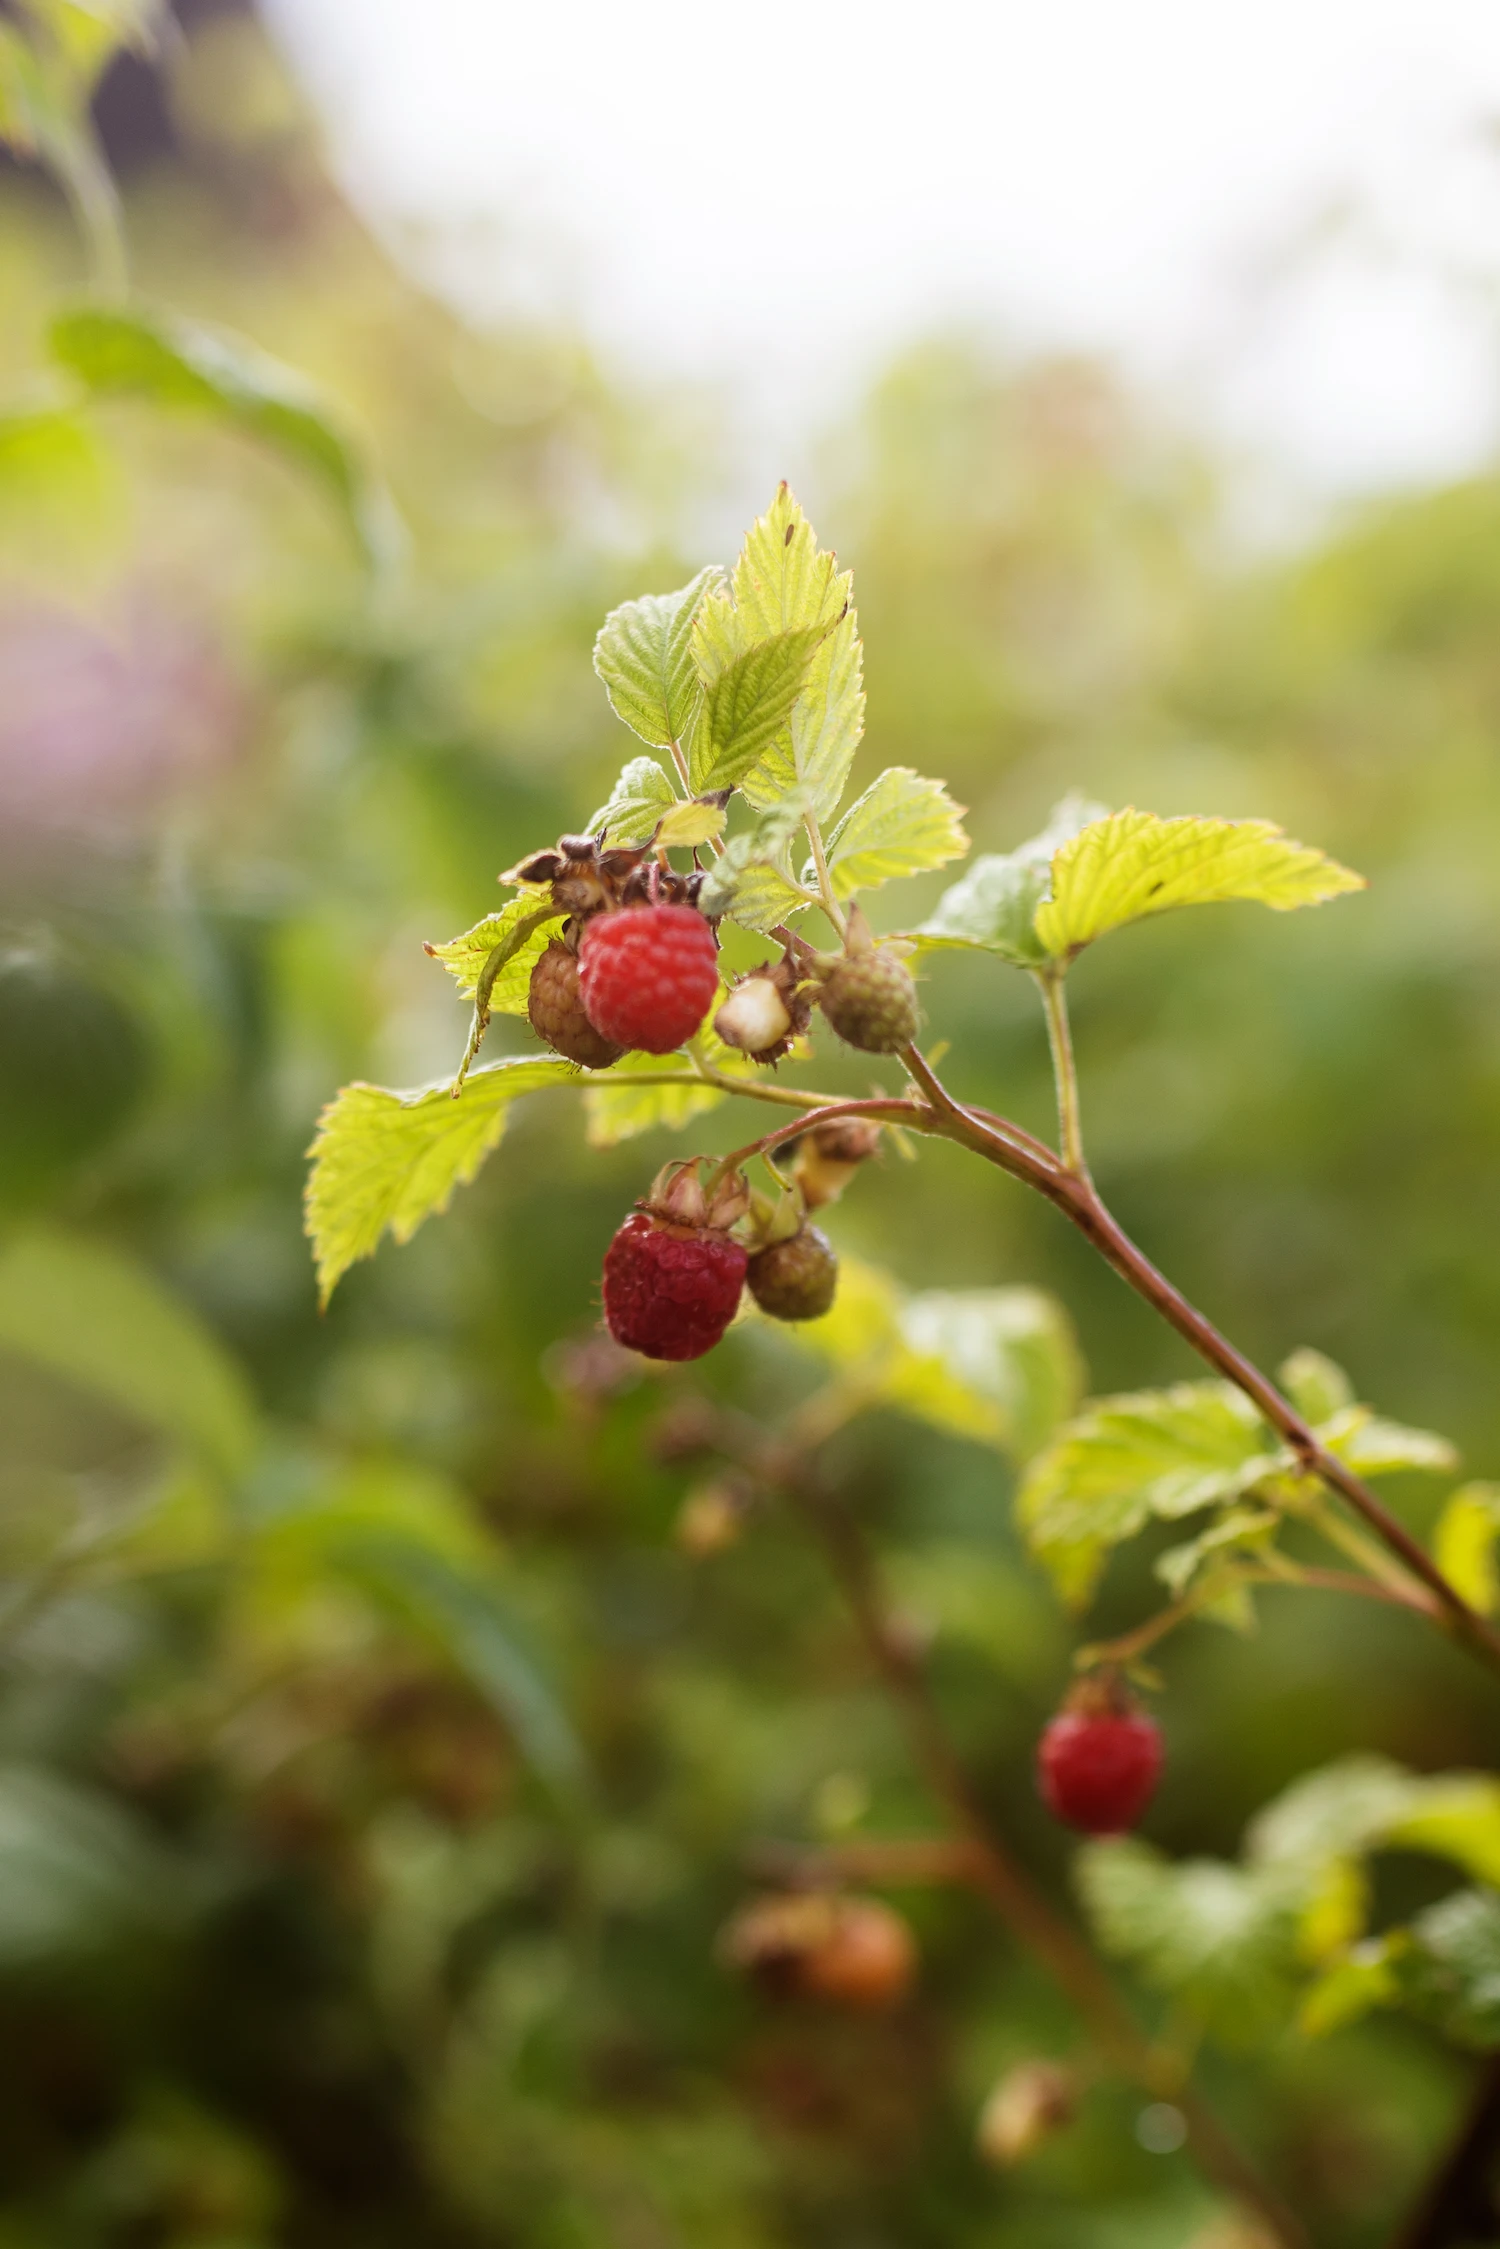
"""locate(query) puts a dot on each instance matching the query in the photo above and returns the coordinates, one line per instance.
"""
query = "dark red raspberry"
(649, 975)
(670, 1291)
(1099, 1759)
(796, 1279)
(555, 1007)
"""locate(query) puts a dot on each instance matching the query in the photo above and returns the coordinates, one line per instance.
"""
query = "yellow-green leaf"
(635, 804)
(690, 823)
(1134, 864)
(1464, 1545)
(524, 927)
(902, 825)
(385, 1160)
(746, 704)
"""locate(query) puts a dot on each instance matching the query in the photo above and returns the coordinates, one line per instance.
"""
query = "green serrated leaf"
(1241, 1529)
(993, 906)
(521, 932)
(1163, 1453)
(635, 803)
(178, 364)
(1317, 1388)
(751, 880)
(1463, 1545)
(106, 1324)
(622, 1108)
(1134, 864)
(385, 1160)
(745, 705)
(902, 825)
(644, 655)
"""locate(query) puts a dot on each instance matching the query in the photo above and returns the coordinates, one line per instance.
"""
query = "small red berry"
(648, 975)
(1099, 1759)
(671, 1290)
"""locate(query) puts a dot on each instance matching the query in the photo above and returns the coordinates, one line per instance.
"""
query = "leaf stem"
(1053, 984)
(831, 906)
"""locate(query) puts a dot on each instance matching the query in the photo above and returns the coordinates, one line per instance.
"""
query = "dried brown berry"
(554, 1005)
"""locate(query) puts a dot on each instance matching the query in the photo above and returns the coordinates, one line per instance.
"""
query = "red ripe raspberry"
(1099, 1759)
(670, 1291)
(649, 975)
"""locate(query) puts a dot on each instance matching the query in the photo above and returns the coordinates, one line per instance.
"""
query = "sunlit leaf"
(95, 1316)
(745, 706)
(1380, 1448)
(1463, 1545)
(1014, 1347)
(993, 904)
(178, 364)
(521, 932)
(635, 804)
(644, 655)
(1242, 1529)
(620, 1106)
(782, 580)
(1317, 1388)
(1133, 864)
(390, 1160)
(751, 880)
(1340, 1811)
(690, 823)
(902, 825)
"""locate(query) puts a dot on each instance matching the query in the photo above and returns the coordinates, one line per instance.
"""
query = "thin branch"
(831, 906)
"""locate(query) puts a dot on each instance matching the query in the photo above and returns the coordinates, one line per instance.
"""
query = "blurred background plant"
(392, 1712)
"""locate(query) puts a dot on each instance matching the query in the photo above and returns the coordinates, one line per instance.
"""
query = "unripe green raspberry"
(795, 1279)
(869, 998)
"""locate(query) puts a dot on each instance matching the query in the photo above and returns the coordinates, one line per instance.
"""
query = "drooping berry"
(867, 994)
(673, 1273)
(648, 975)
(830, 1156)
(555, 1007)
(1099, 1759)
(795, 1279)
(849, 1951)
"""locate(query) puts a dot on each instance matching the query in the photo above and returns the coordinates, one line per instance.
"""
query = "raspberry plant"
(747, 693)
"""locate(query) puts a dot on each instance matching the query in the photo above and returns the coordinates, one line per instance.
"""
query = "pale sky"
(1287, 213)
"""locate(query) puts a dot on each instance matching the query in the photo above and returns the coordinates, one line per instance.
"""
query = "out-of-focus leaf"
(746, 705)
(177, 364)
(78, 1875)
(1012, 1346)
(407, 1540)
(618, 1107)
(88, 34)
(993, 905)
(1134, 864)
(101, 1320)
(902, 825)
(1463, 1545)
(1453, 1816)
(1365, 1978)
(1124, 1459)
(525, 926)
(1379, 1448)
(1340, 1811)
(644, 655)
(1450, 1972)
(635, 804)
(384, 1159)
(1317, 1388)
(1221, 1941)
(1241, 1529)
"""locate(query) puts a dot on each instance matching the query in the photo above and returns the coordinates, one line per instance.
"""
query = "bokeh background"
(1160, 444)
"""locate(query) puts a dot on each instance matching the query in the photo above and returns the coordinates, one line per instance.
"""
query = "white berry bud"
(754, 1017)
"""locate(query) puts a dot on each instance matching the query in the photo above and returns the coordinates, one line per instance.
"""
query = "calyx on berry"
(830, 1155)
(765, 1011)
(1100, 1758)
(866, 992)
(674, 1273)
(850, 1951)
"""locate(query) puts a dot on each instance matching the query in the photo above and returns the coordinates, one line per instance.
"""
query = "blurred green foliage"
(376, 1767)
